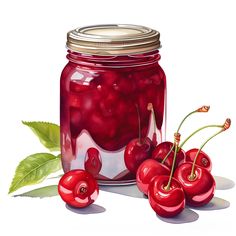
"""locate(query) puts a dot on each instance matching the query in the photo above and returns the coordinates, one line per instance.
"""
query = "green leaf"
(47, 191)
(48, 133)
(34, 169)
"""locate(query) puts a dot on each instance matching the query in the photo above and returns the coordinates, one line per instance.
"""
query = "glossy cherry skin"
(136, 152)
(93, 161)
(78, 188)
(166, 203)
(200, 190)
(146, 171)
(203, 159)
(162, 149)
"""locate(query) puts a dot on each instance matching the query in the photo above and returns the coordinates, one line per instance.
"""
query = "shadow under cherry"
(223, 183)
(215, 204)
(186, 216)
(92, 209)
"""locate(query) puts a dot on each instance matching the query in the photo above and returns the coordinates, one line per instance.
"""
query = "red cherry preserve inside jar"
(112, 91)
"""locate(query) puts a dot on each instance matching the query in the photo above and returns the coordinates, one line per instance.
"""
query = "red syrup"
(98, 109)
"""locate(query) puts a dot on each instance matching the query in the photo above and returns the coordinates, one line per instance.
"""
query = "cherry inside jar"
(106, 88)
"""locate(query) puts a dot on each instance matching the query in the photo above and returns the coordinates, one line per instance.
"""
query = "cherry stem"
(154, 136)
(176, 144)
(201, 109)
(196, 131)
(224, 127)
(167, 155)
(150, 108)
(139, 124)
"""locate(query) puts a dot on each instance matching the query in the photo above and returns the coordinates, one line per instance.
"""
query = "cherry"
(203, 159)
(164, 151)
(137, 150)
(199, 190)
(78, 188)
(165, 193)
(166, 203)
(146, 171)
(197, 182)
(93, 162)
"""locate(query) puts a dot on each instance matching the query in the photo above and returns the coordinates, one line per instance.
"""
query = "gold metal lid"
(113, 39)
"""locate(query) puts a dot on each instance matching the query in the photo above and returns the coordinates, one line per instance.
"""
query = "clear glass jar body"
(104, 101)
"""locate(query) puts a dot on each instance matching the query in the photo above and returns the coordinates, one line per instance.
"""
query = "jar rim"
(113, 39)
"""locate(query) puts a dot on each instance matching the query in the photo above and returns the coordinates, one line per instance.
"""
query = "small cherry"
(78, 188)
(197, 182)
(154, 136)
(164, 152)
(93, 162)
(146, 171)
(137, 150)
(203, 159)
(165, 193)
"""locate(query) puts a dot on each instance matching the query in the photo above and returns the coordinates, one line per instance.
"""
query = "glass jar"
(113, 93)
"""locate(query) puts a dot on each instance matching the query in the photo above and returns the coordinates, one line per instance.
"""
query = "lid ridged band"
(113, 39)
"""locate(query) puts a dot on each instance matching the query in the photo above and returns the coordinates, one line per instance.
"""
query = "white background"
(198, 56)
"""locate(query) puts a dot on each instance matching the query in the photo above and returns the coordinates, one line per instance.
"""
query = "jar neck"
(114, 61)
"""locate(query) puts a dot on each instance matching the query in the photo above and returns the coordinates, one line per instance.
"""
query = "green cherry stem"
(176, 144)
(167, 155)
(201, 109)
(198, 130)
(224, 127)
(139, 124)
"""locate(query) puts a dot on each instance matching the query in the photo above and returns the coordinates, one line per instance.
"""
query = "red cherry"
(203, 159)
(78, 188)
(93, 162)
(200, 188)
(146, 171)
(163, 149)
(166, 203)
(137, 151)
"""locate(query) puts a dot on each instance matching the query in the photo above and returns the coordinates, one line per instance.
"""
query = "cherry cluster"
(168, 175)
(172, 177)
